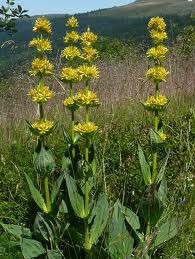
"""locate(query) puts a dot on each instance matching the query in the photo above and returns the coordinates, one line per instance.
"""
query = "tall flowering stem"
(40, 94)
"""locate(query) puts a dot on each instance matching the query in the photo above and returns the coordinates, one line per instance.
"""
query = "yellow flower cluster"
(157, 24)
(72, 37)
(88, 72)
(157, 74)
(88, 38)
(41, 67)
(42, 25)
(87, 98)
(85, 128)
(71, 104)
(156, 102)
(70, 75)
(158, 37)
(70, 53)
(41, 44)
(162, 136)
(72, 22)
(157, 53)
(89, 54)
(43, 126)
(41, 94)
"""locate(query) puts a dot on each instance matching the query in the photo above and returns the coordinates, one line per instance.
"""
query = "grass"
(123, 124)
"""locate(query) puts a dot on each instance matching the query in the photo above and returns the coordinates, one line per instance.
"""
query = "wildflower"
(71, 104)
(89, 54)
(162, 136)
(42, 25)
(88, 72)
(157, 53)
(72, 36)
(43, 126)
(40, 44)
(86, 128)
(157, 74)
(41, 94)
(88, 37)
(157, 23)
(41, 67)
(156, 102)
(72, 22)
(70, 53)
(158, 37)
(69, 74)
(87, 98)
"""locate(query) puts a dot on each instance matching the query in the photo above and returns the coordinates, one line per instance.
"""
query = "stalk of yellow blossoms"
(155, 104)
(40, 94)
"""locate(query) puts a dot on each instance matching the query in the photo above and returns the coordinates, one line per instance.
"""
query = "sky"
(41, 7)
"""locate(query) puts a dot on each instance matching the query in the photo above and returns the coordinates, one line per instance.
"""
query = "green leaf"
(42, 228)
(66, 162)
(120, 242)
(31, 248)
(38, 198)
(54, 254)
(162, 191)
(155, 137)
(145, 167)
(167, 231)
(99, 218)
(63, 208)
(76, 199)
(17, 231)
(56, 187)
(161, 172)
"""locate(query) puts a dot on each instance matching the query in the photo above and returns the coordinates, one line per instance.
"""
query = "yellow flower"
(162, 136)
(88, 38)
(88, 72)
(85, 128)
(157, 23)
(42, 25)
(42, 126)
(156, 102)
(157, 74)
(87, 98)
(89, 54)
(41, 45)
(71, 103)
(70, 53)
(158, 37)
(157, 53)
(41, 67)
(72, 36)
(69, 74)
(41, 94)
(72, 22)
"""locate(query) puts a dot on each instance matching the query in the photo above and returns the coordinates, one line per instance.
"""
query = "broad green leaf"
(54, 254)
(17, 231)
(66, 162)
(162, 191)
(167, 231)
(38, 198)
(155, 137)
(76, 199)
(56, 187)
(31, 248)
(145, 167)
(42, 228)
(63, 208)
(161, 172)
(120, 242)
(99, 218)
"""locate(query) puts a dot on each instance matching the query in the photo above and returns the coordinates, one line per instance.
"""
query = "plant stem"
(47, 195)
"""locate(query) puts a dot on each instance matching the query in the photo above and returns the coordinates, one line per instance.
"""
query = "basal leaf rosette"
(157, 74)
(41, 94)
(41, 45)
(42, 127)
(70, 53)
(86, 129)
(87, 98)
(156, 103)
(70, 75)
(41, 67)
(157, 53)
(42, 25)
